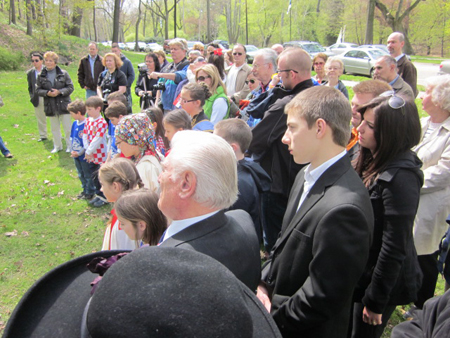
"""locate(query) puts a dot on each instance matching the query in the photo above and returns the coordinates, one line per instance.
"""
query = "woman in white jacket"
(434, 205)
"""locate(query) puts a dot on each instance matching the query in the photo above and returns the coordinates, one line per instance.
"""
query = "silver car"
(360, 60)
(339, 48)
(444, 68)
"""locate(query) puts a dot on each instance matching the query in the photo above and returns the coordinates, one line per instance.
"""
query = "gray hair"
(195, 52)
(269, 56)
(330, 60)
(440, 91)
(182, 43)
(329, 104)
(389, 60)
(213, 162)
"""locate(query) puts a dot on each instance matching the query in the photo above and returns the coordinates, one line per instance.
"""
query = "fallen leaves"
(11, 233)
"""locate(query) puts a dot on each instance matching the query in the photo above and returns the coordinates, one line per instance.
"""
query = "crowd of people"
(348, 199)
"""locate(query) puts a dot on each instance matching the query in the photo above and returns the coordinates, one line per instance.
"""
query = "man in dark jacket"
(127, 69)
(89, 70)
(294, 68)
(35, 99)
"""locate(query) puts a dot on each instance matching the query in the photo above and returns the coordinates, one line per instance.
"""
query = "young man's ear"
(321, 127)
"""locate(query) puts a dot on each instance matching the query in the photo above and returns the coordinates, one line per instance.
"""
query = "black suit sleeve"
(339, 254)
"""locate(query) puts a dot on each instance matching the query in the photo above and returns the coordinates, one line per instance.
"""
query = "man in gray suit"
(307, 283)
(199, 181)
(35, 99)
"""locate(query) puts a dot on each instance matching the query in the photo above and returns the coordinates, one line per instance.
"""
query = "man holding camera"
(171, 75)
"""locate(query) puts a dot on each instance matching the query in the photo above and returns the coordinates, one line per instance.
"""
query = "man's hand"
(263, 296)
(53, 93)
(371, 318)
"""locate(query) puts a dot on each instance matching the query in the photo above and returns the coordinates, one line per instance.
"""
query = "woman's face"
(319, 66)
(366, 131)
(170, 130)
(203, 77)
(253, 82)
(127, 149)
(50, 63)
(150, 63)
(110, 63)
(334, 70)
(427, 103)
(190, 106)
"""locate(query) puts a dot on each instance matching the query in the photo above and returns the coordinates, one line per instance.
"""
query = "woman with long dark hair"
(392, 175)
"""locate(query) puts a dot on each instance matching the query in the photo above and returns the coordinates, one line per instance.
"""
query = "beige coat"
(242, 89)
(434, 205)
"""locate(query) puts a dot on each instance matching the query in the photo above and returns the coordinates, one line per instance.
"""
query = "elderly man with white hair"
(199, 182)
(172, 74)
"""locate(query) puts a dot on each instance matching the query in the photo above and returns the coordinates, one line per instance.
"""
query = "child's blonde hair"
(121, 170)
(142, 205)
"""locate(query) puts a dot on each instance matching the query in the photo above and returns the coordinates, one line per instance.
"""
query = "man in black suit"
(198, 181)
(307, 283)
(35, 99)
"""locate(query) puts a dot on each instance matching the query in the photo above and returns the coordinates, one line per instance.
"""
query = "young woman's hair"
(395, 131)
(142, 205)
(156, 116)
(120, 170)
(219, 62)
(216, 80)
(198, 91)
(178, 118)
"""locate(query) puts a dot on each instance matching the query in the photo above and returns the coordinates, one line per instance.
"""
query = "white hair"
(213, 162)
(440, 91)
(269, 56)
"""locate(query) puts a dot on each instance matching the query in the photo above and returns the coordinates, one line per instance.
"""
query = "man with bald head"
(386, 70)
(294, 69)
(406, 69)
(277, 48)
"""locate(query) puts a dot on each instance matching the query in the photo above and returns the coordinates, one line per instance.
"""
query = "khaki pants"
(41, 118)
(66, 122)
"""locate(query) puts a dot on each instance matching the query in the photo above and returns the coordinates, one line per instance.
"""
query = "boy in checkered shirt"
(94, 141)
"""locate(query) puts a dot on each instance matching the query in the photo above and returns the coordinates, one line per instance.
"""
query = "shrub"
(10, 60)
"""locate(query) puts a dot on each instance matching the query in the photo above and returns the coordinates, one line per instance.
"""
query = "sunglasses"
(186, 101)
(251, 81)
(395, 102)
(237, 54)
(33, 60)
(203, 78)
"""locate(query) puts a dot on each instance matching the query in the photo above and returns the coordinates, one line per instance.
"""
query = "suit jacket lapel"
(328, 178)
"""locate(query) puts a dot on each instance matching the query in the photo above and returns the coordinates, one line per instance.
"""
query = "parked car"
(224, 44)
(251, 51)
(360, 61)
(311, 47)
(339, 48)
(166, 46)
(382, 47)
(122, 45)
(444, 67)
(152, 47)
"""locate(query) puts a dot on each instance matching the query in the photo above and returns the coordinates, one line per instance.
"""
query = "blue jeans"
(85, 176)
(90, 93)
(3, 148)
(94, 168)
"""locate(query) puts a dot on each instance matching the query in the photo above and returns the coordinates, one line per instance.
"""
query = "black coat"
(320, 254)
(392, 275)
(55, 105)
(266, 146)
(149, 83)
(85, 75)
(31, 78)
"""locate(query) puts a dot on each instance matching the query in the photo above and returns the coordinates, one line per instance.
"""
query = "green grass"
(426, 59)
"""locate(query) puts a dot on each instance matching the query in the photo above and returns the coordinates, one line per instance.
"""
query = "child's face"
(93, 112)
(111, 191)
(115, 120)
(132, 230)
(170, 131)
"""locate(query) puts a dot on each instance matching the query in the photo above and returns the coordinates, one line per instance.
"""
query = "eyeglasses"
(203, 78)
(287, 70)
(34, 60)
(117, 143)
(237, 54)
(256, 66)
(251, 81)
(395, 102)
(333, 68)
(186, 101)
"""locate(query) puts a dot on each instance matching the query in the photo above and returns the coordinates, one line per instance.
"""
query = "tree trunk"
(138, 21)
(369, 27)
(19, 9)
(116, 22)
(94, 23)
(12, 12)
(29, 18)
(77, 17)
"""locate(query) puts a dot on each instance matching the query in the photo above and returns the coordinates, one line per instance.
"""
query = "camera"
(142, 67)
(159, 86)
(105, 93)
